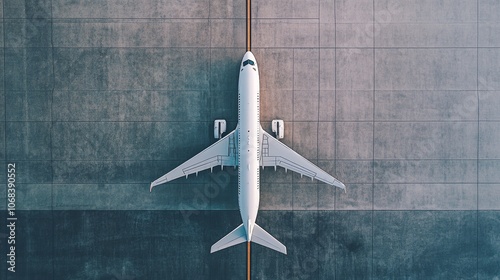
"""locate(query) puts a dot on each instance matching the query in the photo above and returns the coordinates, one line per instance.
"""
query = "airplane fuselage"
(248, 142)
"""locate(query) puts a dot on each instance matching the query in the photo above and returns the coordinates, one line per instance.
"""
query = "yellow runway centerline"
(248, 260)
(249, 25)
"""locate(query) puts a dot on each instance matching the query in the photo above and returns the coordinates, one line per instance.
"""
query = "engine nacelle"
(278, 127)
(219, 128)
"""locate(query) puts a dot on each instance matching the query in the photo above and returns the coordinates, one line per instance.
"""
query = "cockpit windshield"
(248, 61)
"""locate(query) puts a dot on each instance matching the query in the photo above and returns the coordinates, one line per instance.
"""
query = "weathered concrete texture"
(489, 23)
(412, 140)
(29, 106)
(488, 245)
(402, 105)
(321, 245)
(29, 9)
(488, 59)
(28, 69)
(489, 101)
(430, 244)
(130, 69)
(140, 9)
(426, 23)
(397, 98)
(427, 69)
(131, 33)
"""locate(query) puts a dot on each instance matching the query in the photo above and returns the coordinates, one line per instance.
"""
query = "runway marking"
(249, 25)
(248, 260)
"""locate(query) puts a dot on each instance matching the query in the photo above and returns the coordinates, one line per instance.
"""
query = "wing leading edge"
(274, 153)
(223, 152)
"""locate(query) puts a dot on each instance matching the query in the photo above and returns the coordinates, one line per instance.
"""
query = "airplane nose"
(249, 55)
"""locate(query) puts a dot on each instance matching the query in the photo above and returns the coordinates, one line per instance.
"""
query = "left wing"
(223, 152)
(274, 153)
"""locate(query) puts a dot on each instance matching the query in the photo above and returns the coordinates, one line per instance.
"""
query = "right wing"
(223, 152)
(274, 153)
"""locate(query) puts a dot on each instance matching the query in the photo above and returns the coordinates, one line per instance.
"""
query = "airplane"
(249, 147)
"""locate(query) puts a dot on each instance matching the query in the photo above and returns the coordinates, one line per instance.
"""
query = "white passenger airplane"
(249, 147)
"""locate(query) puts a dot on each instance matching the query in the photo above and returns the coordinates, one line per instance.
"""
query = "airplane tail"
(259, 236)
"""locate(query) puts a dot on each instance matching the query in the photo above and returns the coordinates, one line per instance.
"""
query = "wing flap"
(274, 153)
(223, 152)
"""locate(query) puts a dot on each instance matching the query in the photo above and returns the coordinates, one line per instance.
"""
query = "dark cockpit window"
(248, 61)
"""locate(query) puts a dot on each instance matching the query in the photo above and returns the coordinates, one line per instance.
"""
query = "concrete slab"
(34, 171)
(488, 223)
(404, 111)
(425, 197)
(277, 104)
(28, 69)
(436, 69)
(359, 197)
(138, 9)
(426, 23)
(487, 196)
(353, 246)
(416, 140)
(286, 33)
(2, 144)
(488, 170)
(33, 32)
(35, 138)
(488, 140)
(131, 33)
(424, 171)
(362, 147)
(34, 196)
(354, 171)
(421, 234)
(354, 105)
(278, 68)
(304, 78)
(428, 11)
(327, 23)
(305, 105)
(229, 9)
(327, 69)
(354, 69)
(130, 106)
(488, 59)
(326, 105)
(32, 9)
(489, 24)
(425, 105)
(285, 9)
(29, 106)
(427, 35)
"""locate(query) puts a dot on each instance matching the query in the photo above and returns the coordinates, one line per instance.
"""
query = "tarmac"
(397, 99)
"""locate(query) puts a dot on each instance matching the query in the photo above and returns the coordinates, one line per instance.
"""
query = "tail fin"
(259, 236)
(237, 236)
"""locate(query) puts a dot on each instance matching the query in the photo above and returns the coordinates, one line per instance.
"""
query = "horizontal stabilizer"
(237, 236)
(260, 236)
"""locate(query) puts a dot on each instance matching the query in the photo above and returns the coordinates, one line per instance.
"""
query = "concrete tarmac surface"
(397, 99)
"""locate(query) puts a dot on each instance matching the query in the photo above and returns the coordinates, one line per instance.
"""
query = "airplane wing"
(274, 153)
(223, 152)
